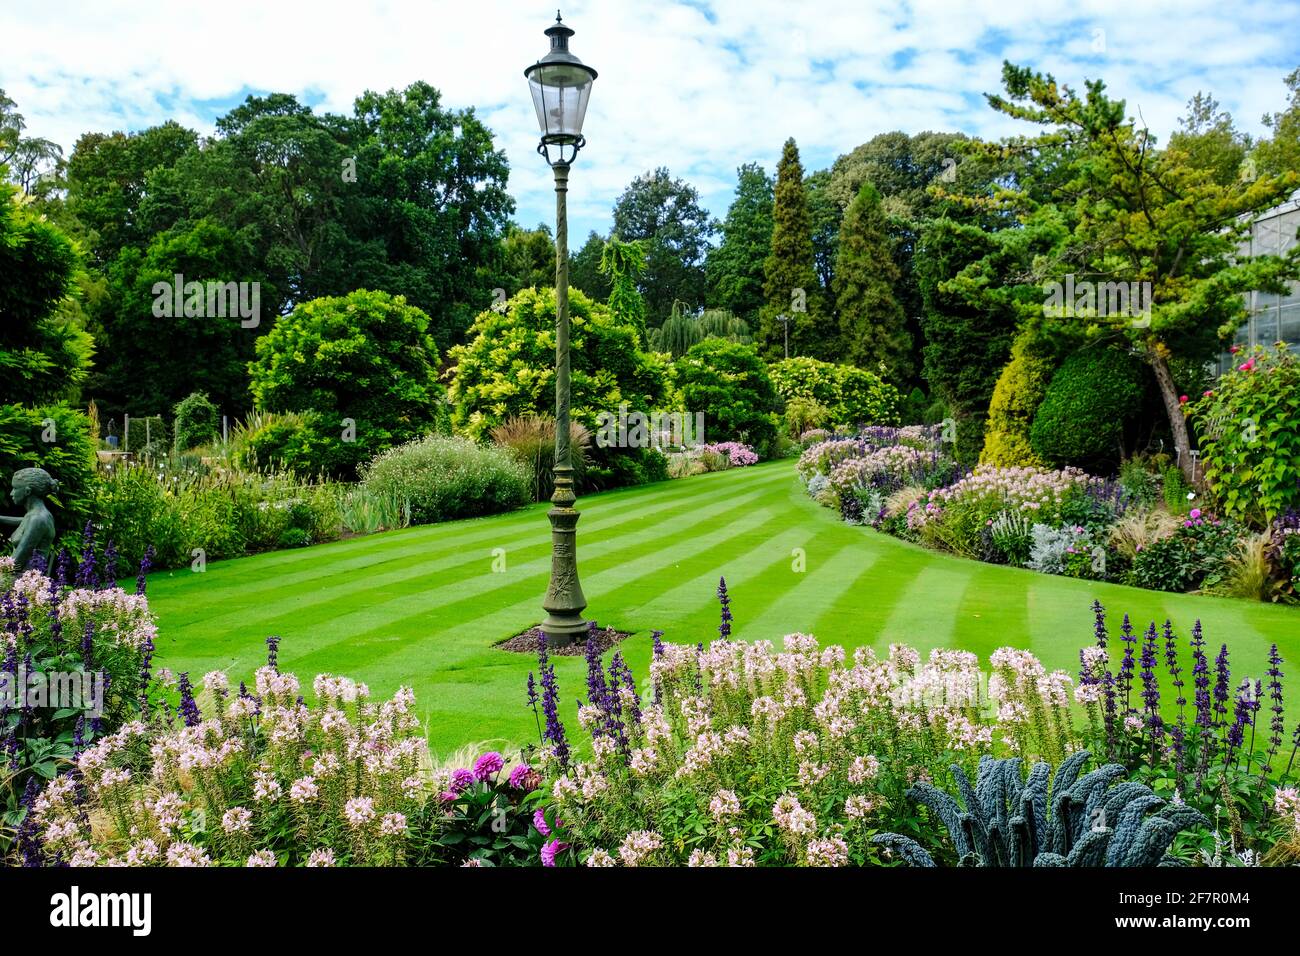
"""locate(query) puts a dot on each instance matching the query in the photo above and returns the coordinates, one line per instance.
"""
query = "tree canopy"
(665, 214)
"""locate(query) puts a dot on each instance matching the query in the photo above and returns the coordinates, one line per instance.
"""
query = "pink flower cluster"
(347, 772)
(738, 455)
(827, 723)
(896, 461)
(1028, 489)
(1286, 802)
(821, 458)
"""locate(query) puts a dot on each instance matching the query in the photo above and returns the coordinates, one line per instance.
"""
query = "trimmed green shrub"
(729, 383)
(853, 396)
(1082, 416)
(197, 422)
(1016, 397)
(442, 477)
(361, 368)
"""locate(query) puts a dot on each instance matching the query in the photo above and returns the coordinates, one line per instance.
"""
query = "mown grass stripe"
(374, 591)
(926, 613)
(436, 608)
(993, 607)
(231, 580)
(826, 572)
(419, 606)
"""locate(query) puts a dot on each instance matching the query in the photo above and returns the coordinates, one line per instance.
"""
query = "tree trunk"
(1174, 409)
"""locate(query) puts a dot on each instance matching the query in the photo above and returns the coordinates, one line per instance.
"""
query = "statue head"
(32, 483)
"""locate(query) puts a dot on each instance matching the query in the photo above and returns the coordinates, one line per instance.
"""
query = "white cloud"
(699, 93)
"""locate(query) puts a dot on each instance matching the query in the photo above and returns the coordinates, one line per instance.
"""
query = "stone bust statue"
(35, 529)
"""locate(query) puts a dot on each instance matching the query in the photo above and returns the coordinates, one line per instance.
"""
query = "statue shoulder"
(42, 523)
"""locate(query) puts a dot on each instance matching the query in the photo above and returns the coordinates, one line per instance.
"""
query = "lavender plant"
(1214, 749)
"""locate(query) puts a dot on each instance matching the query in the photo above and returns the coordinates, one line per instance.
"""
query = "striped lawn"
(422, 606)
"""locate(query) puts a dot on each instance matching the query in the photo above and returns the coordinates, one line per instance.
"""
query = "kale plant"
(1071, 820)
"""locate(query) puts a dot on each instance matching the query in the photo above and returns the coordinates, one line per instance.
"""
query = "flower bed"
(738, 455)
(75, 651)
(1061, 521)
(736, 754)
(278, 781)
(744, 755)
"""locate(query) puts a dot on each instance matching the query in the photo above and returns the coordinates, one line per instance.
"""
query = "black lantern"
(561, 85)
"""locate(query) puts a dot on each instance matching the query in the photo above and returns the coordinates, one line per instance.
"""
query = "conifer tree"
(735, 268)
(872, 323)
(790, 284)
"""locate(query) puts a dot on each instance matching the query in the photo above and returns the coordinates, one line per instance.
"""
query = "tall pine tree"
(735, 268)
(872, 323)
(790, 284)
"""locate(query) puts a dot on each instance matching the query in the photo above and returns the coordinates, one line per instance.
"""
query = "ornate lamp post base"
(565, 601)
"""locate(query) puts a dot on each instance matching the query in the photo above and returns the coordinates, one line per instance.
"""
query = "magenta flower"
(1195, 513)
(550, 850)
(488, 765)
(461, 779)
(539, 821)
(524, 778)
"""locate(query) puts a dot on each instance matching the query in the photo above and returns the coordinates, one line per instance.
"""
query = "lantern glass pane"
(560, 94)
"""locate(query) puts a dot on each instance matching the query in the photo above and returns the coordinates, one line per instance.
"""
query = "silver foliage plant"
(1069, 820)
(1050, 546)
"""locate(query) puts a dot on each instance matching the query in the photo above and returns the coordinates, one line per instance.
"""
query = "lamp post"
(785, 321)
(561, 84)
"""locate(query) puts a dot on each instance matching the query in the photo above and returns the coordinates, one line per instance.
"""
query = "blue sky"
(700, 87)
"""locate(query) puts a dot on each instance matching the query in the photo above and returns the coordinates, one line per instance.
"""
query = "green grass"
(423, 606)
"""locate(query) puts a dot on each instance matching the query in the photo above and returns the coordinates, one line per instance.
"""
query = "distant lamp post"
(785, 321)
(561, 84)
